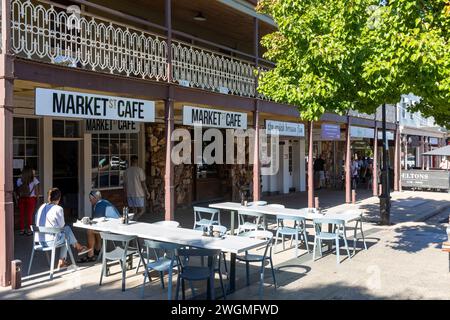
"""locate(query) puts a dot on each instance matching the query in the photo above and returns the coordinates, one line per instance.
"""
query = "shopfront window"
(111, 155)
(25, 145)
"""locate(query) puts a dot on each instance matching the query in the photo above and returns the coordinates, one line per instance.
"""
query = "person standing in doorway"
(135, 188)
(319, 171)
(27, 191)
(354, 169)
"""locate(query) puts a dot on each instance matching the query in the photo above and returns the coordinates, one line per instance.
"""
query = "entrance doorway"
(66, 176)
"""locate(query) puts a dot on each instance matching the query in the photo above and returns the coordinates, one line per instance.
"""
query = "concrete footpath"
(403, 261)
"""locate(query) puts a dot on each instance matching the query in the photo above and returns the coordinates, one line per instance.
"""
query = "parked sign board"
(214, 118)
(290, 129)
(428, 179)
(70, 104)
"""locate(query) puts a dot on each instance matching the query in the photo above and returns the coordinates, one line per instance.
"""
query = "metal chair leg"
(52, 263)
(183, 293)
(305, 237)
(161, 276)
(143, 284)
(177, 291)
(296, 245)
(169, 285)
(314, 248)
(337, 250)
(362, 235)
(273, 273)
(346, 246)
(31, 261)
(261, 281)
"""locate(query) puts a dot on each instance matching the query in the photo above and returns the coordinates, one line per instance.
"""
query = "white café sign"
(214, 118)
(111, 126)
(69, 104)
(291, 129)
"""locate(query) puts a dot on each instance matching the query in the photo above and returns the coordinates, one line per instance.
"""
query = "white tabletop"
(182, 236)
(347, 216)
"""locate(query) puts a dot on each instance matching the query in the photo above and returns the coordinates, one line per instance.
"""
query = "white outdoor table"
(182, 236)
(347, 216)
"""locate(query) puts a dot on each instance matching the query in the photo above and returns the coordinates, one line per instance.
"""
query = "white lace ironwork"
(50, 34)
(53, 34)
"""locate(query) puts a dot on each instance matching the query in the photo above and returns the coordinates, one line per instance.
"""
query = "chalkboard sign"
(428, 179)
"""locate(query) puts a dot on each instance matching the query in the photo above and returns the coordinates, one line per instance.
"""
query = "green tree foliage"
(333, 55)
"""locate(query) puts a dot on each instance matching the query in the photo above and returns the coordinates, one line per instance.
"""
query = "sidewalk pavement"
(403, 260)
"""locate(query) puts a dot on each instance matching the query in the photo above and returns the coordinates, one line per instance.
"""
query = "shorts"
(136, 202)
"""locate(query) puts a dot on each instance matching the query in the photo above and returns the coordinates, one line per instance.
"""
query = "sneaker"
(22, 232)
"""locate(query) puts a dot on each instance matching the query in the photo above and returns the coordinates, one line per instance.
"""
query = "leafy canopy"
(332, 56)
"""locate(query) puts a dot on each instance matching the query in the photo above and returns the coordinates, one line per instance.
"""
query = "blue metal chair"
(250, 221)
(267, 255)
(165, 260)
(338, 232)
(205, 217)
(163, 223)
(38, 246)
(298, 227)
(190, 272)
(119, 253)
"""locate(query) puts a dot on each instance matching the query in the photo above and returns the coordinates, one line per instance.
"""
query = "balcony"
(54, 34)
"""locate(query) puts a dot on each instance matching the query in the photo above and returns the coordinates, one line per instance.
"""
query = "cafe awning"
(444, 151)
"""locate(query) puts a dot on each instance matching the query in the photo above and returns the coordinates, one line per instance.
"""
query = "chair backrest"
(185, 256)
(161, 249)
(206, 213)
(298, 221)
(116, 238)
(337, 224)
(169, 224)
(274, 205)
(40, 232)
(257, 203)
(242, 215)
(261, 235)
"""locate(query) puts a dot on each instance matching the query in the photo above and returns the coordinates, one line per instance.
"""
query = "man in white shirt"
(135, 188)
(445, 164)
(51, 215)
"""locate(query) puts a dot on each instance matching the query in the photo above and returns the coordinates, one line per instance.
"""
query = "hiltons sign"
(58, 103)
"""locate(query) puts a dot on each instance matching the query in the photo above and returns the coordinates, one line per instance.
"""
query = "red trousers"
(27, 205)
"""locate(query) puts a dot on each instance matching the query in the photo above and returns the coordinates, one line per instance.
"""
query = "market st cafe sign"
(111, 126)
(291, 129)
(69, 104)
(214, 118)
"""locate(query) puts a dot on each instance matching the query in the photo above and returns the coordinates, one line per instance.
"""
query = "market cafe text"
(70, 104)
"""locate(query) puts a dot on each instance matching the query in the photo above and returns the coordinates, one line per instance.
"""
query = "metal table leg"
(232, 223)
(232, 273)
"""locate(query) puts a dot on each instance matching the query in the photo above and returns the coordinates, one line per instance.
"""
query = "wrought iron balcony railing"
(54, 34)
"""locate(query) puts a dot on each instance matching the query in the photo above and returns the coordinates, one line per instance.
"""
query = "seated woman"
(51, 215)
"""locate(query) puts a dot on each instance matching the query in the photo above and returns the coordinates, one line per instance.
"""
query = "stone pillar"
(169, 204)
(310, 167)
(6, 148)
(348, 156)
(256, 163)
(375, 162)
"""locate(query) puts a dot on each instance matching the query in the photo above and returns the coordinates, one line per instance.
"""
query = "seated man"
(51, 215)
(101, 208)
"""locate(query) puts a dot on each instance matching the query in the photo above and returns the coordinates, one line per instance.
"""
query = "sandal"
(64, 264)
(87, 259)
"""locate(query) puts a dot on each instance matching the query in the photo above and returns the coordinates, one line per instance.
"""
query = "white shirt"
(32, 184)
(50, 216)
(133, 178)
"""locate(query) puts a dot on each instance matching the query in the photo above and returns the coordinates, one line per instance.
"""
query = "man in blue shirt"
(101, 208)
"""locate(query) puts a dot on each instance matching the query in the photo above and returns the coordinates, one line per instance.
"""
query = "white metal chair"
(205, 217)
(338, 232)
(250, 221)
(267, 255)
(38, 246)
(297, 227)
(119, 253)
